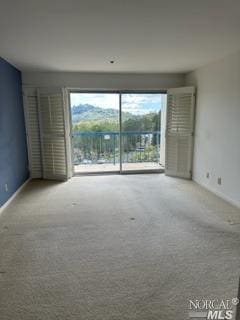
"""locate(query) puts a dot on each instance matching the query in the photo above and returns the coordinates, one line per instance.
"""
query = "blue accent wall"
(13, 146)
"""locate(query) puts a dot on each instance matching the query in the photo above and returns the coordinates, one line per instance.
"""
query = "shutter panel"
(68, 131)
(53, 134)
(179, 132)
(30, 99)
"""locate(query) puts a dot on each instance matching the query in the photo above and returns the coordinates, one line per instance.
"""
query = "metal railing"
(104, 147)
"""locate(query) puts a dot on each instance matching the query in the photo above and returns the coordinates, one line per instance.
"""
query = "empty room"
(119, 160)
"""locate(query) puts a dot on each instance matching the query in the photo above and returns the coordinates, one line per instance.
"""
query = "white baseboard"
(4, 206)
(219, 194)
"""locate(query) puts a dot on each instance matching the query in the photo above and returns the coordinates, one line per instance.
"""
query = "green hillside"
(87, 117)
(87, 112)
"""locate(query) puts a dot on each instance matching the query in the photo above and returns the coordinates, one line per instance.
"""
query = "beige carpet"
(115, 248)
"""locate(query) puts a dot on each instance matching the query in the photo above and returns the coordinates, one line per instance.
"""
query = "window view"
(97, 146)
(141, 131)
(95, 131)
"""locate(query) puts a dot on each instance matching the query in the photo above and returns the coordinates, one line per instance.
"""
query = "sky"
(134, 103)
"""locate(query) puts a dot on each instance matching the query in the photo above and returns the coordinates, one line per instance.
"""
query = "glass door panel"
(141, 131)
(95, 132)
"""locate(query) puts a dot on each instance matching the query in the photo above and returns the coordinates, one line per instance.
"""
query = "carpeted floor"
(116, 247)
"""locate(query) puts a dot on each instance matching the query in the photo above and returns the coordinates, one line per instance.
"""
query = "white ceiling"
(140, 35)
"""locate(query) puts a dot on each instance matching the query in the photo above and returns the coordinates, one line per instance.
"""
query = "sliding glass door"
(117, 132)
(95, 132)
(141, 131)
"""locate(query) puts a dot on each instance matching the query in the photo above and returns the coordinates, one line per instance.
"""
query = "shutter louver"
(179, 132)
(33, 132)
(53, 135)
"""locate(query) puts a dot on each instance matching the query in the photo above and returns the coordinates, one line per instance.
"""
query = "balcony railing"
(104, 147)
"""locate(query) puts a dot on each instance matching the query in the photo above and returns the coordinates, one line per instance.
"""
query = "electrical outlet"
(219, 180)
(207, 175)
(6, 187)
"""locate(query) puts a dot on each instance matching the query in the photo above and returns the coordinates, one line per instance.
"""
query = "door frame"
(120, 93)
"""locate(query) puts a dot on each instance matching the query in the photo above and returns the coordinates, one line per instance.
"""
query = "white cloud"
(141, 103)
(102, 100)
(136, 103)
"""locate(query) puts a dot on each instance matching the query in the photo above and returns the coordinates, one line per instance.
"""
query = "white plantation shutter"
(30, 99)
(68, 131)
(54, 135)
(179, 132)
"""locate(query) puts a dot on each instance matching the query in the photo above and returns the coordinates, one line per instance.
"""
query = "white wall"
(111, 81)
(217, 131)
